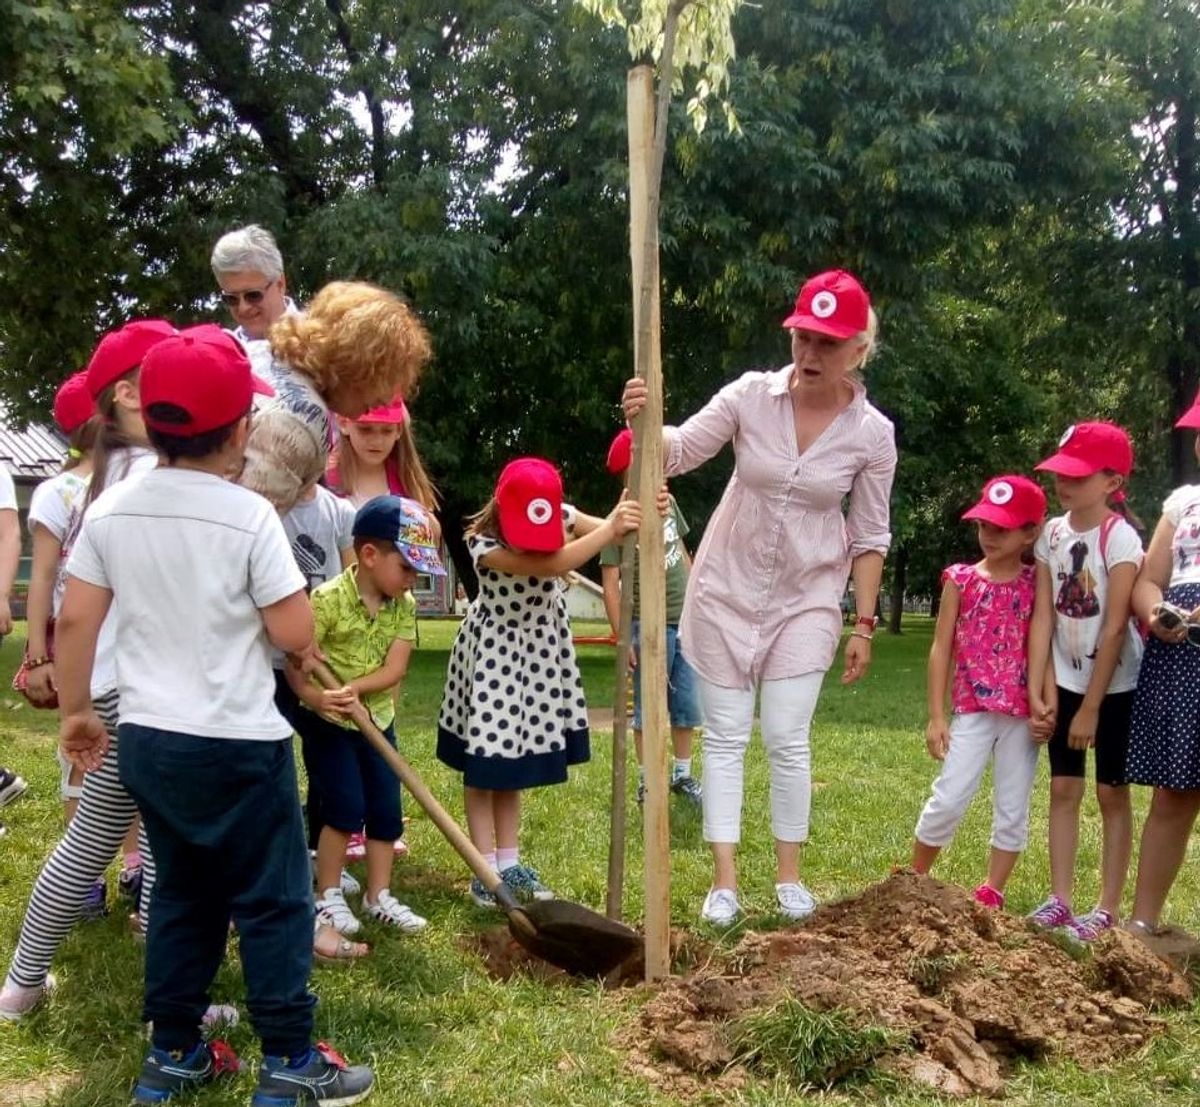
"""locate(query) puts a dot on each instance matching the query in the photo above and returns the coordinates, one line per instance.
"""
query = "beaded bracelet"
(859, 634)
(37, 662)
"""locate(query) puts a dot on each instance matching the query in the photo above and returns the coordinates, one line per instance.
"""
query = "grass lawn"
(441, 1032)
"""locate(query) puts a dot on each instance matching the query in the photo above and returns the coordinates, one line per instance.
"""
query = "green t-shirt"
(674, 528)
(355, 644)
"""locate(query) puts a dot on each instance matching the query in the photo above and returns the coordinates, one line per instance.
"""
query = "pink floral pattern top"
(991, 641)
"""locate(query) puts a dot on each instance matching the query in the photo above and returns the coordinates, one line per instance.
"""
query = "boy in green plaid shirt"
(366, 623)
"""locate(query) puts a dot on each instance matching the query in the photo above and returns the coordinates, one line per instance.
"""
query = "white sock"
(507, 858)
(681, 768)
(490, 858)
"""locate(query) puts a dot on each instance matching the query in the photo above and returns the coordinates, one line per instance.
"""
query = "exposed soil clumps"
(962, 991)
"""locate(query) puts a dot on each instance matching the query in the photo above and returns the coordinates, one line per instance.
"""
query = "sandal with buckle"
(344, 950)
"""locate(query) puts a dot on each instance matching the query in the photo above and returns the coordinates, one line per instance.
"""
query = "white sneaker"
(721, 906)
(333, 911)
(16, 1000)
(795, 901)
(388, 909)
(349, 886)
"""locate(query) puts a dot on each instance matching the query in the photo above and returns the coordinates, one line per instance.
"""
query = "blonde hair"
(870, 337)
(413, 478)
(355, 332)
(485, 523)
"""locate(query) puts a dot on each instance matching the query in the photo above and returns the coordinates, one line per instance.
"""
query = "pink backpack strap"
(1106, 529)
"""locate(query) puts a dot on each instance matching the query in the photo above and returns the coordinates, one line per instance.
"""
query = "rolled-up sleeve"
(868, 522)
(691, 444)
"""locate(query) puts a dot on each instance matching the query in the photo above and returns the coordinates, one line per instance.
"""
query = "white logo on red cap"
(1066, 435)
(1000, 493)
(539, 511)
(824, 304)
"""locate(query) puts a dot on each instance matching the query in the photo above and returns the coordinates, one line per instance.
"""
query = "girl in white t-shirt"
(55, 511)
(1084, 654)
(106, 813)
(1164, 738)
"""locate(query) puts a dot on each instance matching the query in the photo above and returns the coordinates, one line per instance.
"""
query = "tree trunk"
(451, 517)
(1182, 372)
(899, 586)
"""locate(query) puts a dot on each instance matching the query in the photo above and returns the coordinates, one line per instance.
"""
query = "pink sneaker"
(356, 848)
(1052, 914)
(987, 896)
(1097, 921)
(400, 847)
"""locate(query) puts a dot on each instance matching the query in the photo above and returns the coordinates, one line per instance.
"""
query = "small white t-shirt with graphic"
(1079, 579)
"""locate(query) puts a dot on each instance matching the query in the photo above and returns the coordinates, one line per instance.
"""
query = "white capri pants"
(974, 739)
(786, 711)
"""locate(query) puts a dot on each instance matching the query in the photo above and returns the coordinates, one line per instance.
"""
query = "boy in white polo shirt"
(203, 580)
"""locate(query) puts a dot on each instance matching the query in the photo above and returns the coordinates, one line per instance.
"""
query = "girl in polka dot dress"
(1164, 739)
(513, 712)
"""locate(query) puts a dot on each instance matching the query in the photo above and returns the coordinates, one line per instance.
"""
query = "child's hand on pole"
(83, 740)
(633, 398)
(625, 517)
(663, 501)
(937, 739)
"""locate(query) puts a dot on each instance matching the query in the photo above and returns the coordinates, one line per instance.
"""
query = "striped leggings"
(92, 840)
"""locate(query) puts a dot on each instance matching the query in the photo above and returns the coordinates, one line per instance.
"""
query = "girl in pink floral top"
(983, 631)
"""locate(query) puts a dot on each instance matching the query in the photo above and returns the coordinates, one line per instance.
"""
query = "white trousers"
(786, 711)
(974, 739)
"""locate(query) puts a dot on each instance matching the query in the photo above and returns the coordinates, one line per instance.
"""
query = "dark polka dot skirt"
(513, 710)
(1164, 734)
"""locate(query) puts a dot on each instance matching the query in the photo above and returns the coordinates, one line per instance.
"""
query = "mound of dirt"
(966, 991)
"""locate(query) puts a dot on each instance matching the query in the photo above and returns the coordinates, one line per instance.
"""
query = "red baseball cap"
(73, 403)
(831, 303)
(1191, 417)
(204, 371)
(1010, 501)
(1087, 448)
(122, 350)
(529, 496)
(620, 452)
(395, 412)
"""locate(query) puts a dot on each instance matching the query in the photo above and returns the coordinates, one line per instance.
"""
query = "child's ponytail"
(110, 438)
(81, 443)
(485, 523)
(1119, 504)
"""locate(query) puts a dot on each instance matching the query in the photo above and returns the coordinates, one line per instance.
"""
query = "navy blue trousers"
(224, 824)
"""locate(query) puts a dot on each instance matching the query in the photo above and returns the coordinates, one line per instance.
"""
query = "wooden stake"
(648, 473)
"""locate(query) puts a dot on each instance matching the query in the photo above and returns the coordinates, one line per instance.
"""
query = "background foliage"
(1015, 180)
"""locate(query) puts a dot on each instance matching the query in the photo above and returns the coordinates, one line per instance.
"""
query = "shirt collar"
(350, 587)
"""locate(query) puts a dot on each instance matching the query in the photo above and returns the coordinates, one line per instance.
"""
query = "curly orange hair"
(355, 333)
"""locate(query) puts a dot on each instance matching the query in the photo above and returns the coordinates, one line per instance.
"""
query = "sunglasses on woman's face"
(252, 296)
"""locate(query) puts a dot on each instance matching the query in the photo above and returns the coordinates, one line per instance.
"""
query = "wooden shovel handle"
(454, 834)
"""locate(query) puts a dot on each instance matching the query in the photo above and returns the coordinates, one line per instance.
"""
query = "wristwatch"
(868, 621)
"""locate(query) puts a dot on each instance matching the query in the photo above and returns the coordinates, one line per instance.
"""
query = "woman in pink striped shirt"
(763, 603)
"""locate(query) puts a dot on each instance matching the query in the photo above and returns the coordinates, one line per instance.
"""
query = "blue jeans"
(223, 820)
(683, 693)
